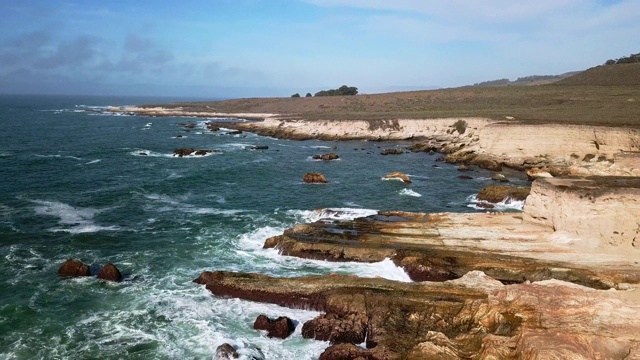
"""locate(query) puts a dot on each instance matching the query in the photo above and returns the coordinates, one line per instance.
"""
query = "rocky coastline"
(558, 281)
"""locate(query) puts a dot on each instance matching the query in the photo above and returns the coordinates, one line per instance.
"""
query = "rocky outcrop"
(500, 178)
(495, 193)
(472, 317)
(352, 352)
(226, 352)
(399, 175)
(346, 328)
(181, 152)
(326, 157)
(600, 213)
(110, 272)
(73, 268)
(314, 178)
(281, 327)
(392, 151)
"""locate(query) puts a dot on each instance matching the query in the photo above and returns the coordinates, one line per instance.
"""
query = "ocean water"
(76, 183)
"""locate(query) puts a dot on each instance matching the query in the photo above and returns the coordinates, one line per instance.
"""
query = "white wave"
(5, 154)
(75, 220)
(178, 205)
(320, 147)
(149, 153)
(409, 192)
(391, 179)
(352, 204)
(505, 204)
(58, 156)
(332, 214)
(249, 247)
(93, 162)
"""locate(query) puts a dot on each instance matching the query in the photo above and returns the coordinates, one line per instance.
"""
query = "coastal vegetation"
(343, 90)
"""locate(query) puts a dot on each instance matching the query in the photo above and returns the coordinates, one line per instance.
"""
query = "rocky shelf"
(537, 285)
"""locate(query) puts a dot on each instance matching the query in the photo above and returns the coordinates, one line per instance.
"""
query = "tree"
(296, 95)
(308, 95)
(342, 90)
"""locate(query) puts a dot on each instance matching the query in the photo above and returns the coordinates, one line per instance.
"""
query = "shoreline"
(546, 149)
(485, 285)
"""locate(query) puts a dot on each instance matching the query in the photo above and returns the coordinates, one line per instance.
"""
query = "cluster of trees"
(341, 91)
(296, 95)
(633, 58)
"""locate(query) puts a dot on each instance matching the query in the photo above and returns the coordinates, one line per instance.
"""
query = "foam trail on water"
(409, 192)
(504, 205)
(332, 214)
(74, 220)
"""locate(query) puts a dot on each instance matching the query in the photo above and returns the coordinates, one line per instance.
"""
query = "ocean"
(76, 182)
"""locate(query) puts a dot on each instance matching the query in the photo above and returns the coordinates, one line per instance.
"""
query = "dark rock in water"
(350, 328)
(435, 166)
(212, 127)
(188, 125)
(496, 194)
(499, 177)
(183, 152)
(235, 132)
(465, 177)
(259, 147)
(202, 152)
(440, 159)
(178, 136)
(392, 151)
(463, 167)
(281, 327)
(314, 178)
(110, 273)
(189, 151)
(73, 268)
(226, 352)
(326, 157)
(142, 153)
(350, 351)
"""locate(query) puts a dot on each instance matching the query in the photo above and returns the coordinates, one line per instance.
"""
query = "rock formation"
(281, 327)
(495, 193)
(392, 151)
(226, 352)
(398, 175)
(110, 272)
(326, 157)
(181, 152)
(314, 178)
(73, 268)
(500, 178)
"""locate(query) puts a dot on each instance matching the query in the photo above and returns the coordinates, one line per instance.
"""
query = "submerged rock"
(110, 272)
(392, 151)
(500, 178)
(181, 152)
(314, 178)
(73, 268)
(398, 175)
(281, 327)
(496, 193)
(259, 147)
(326, 157)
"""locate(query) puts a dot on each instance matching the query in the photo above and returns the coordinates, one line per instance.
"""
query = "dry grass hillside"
(606, 75)
(606, 95)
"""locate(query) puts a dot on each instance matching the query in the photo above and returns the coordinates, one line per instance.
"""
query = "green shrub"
(296, 95)
(460, 126)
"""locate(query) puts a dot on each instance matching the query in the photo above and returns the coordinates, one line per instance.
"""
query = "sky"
(247, 48)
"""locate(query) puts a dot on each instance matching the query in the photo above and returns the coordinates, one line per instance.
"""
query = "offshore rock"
(496, 193)
(314, 178)
(73, 268)
(326, 157)
(500, 178)
(110, 272)
(398, 175)
(392, 151)
(226, 352)
(181, 152)
(281, 327)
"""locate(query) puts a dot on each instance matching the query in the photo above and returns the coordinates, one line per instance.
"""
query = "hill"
(604, 75)
(528, 80)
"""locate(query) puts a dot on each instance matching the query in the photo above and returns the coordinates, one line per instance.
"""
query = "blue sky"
(237, 48)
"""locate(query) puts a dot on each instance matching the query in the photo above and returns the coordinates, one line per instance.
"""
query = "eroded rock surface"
(466, 318)
(326, 157)
(398, 175)
(73, 268)
(495, 194)
(314, 178)
(281, 327)
(110, 272)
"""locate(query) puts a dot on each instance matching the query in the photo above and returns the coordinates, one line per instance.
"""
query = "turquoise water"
(75, 184)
